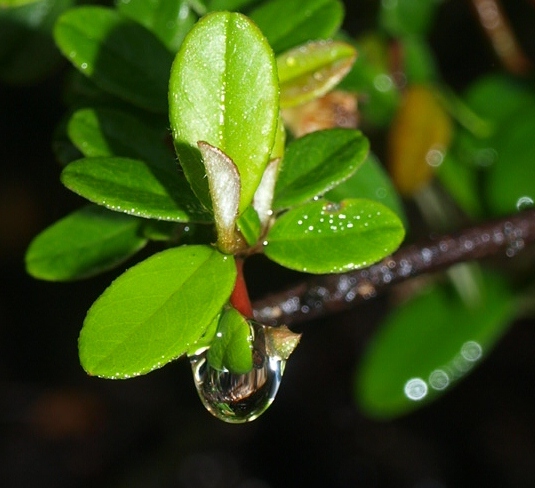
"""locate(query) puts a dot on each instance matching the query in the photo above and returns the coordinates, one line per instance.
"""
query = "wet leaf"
(223, 90)
(134, 187)
(231, 348)
(322, 237)
(372, 182)
(104, 132)
(86, 242)
(418, 138)
(155, 311)
(119, 55)
(429, 343)
(169, 20)
(313, 69)
(289, 23)
(317, 162)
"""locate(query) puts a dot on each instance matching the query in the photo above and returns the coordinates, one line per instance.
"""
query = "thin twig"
(328, 294)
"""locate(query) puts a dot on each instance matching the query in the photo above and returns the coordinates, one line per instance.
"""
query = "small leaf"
(263, 197)
(169, 20)
(224, 183)
(430, 342)
(87, 242)
(224, 90)
(321, 237)
(250, 226)
(372, 182)
(231, 348)
(407, 17)
(510, 184)
(288, 23)
(104, 132)
(134, 187)
(317, 162)
(232, 5)
(418, 138)
(311, 70)
(155, 311)
(120, 56)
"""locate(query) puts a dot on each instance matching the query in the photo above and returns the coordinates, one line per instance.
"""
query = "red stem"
(240, 297)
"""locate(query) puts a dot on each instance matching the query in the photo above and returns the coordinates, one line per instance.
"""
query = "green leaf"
(134, 187)
(231, 348)
(407, 17)
(224, 91)
(322, 237)
(510, 183)
(86, 242)
(313, 69)
(119, 55)
(317, 162)
(250, 226)
(104, 132)
(429, 343)
(155, 311)
(169, 20)
(15, 3)
(232, 5)
(371, 79)
(27, 50)
(289, 23)
(372, 182)
(418, 60)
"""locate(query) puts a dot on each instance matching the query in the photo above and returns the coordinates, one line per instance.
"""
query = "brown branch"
(328, 294)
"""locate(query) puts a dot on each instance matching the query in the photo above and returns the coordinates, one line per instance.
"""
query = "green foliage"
(322, 237)
(155, 311)
(430, 342)
(244, 184)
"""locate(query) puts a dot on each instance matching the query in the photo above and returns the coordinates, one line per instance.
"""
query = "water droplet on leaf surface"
(238, 398)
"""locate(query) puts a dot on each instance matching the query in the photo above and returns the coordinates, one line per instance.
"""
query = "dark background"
(60, 428)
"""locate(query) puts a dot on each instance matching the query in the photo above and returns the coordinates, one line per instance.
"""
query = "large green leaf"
(105, 132)
(288, 23)
(322, 237)
(231, 348)
(155, 311)
(119, 55)
(223, 90)
(372, 182)
(313, 69)
(87, 242)
(169, 20)
(134, 187)
(317, 162)
(429, 343)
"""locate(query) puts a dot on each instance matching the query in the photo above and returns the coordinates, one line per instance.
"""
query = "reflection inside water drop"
(238, 398)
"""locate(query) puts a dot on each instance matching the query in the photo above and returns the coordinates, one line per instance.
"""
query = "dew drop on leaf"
(238, 398)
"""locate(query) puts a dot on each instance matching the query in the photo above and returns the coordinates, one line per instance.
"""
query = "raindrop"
(238, 398)
(524, 203)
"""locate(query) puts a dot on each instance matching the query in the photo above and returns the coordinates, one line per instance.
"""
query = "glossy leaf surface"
(104, 132)
(119, 55)
(155, 311)
(231, 348)
(372, 182)
(317, 162)
(289, 23)
(134, 187)
(87, 242)
(169, 20)
(223, 90)
(322, 237)
(311, 70)
(429, 343)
